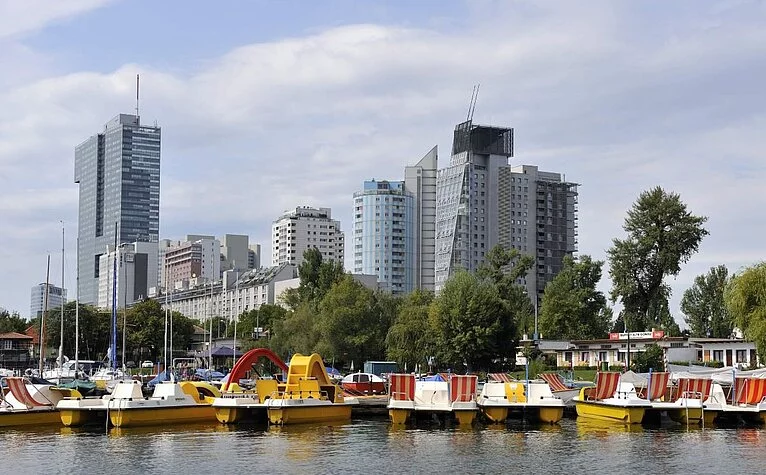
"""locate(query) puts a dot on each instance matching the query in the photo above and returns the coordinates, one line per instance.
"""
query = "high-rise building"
(304, 227)
(420, 182)
(254, 256)
(135, 277)
(483, 201)
(56, 298)
(384, 235)
(467, 219)
(118, 171)
(541, 220)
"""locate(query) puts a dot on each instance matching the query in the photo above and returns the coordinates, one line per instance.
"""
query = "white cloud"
(22, 17)
(591, 91)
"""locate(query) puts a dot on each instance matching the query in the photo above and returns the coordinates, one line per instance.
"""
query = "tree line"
(478, 318)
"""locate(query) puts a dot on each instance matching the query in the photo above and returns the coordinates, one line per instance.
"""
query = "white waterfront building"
(302, 228)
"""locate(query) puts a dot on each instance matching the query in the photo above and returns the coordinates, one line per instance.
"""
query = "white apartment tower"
(420, 182)
(302, 228)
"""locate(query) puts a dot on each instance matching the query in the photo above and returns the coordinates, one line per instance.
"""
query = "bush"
(709, 364)
(616, 367)
(679, 363)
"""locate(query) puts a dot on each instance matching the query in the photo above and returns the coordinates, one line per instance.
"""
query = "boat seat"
(18, 388)
(309, 388)
(266, 388)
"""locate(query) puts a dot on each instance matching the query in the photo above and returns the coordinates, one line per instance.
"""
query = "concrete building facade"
(197, 256)
(420, 182)
(118, 172)
(136, 274)
(384, 235)
(302, 228)
(483, 201)
(56, 298)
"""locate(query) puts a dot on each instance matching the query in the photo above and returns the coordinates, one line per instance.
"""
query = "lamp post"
(534, 299)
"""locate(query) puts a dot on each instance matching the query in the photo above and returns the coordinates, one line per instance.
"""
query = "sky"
(269, 105)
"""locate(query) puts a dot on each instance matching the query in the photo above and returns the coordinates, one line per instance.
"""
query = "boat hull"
(228, 415)
(284, 415)
(495, 414)
(28, 418)
(161, 415)
(687, 415)
(79, 417)
(609, 412)
(550, 415)
(399, 416)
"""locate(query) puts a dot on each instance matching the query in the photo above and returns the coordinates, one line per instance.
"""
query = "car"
(147, 364)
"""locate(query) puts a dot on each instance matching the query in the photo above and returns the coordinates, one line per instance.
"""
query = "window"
(603, 356)
(584, 356)
(568, 356)
(741, 356)
(7, 344)
(717, 355)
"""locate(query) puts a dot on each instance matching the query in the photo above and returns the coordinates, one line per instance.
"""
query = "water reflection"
(604, 429)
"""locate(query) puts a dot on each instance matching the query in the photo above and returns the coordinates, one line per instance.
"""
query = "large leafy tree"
(572, 308)
(745, 298)
(351, 327)
(146, 331)
(662, 235)
(296, 333)
(504, 267)
(410, 338)
(317, 276)
(704, 306)
(94, 331)
(473, 324)
(12, 322)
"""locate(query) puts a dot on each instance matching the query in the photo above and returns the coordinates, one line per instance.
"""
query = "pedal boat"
(453, 400)
(26, 403)
(533, 399)
(611, 401)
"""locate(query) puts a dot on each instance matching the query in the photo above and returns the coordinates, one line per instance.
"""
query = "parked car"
(147, 364)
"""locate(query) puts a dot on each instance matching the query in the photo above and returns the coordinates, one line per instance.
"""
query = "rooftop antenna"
(137, 84)
(472, 103)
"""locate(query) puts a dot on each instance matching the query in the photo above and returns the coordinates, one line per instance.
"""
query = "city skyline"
(587, 90)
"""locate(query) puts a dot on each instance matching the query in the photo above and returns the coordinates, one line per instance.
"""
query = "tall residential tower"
(118, 171)
(483, 201)
(384, 235)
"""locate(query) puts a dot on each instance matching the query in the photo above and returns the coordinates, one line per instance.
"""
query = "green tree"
(745, 298)
(662, 235)
(350, 325)
(146, 331)
(95, 331)
(12, 322)
(651, 358)
(265, 317)
(704, 306)
(316, 278)
(473, 324)
(296, 333)
(572, 308)
(410, 338)
(504, 267)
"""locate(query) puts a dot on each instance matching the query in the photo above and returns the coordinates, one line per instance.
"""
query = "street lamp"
(534, 302)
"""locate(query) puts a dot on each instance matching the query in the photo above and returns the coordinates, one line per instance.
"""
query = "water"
(373, 446)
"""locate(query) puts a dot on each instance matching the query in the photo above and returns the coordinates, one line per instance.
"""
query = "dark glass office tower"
(118, 171)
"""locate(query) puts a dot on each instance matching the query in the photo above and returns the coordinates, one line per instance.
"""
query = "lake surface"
(373, 446)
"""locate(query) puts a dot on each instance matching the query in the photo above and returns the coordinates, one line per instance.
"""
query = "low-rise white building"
(230, 296)
(613, 351)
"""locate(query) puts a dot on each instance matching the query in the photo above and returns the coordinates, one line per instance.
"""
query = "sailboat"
(63, 373)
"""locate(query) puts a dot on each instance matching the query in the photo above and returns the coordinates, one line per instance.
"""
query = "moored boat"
(532, 399)
(560, 388)
(363, 384)
(170, 403)
(611, 401)
(28, 402)
(454, 399)
(309, 395)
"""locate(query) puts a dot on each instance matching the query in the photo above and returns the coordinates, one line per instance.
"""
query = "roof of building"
(263, 275)
(14, 336)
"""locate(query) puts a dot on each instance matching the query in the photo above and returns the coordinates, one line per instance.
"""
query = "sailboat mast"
(61, 334)
(124, 311)
(113, 353)
(42, 317)
(77, 315)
